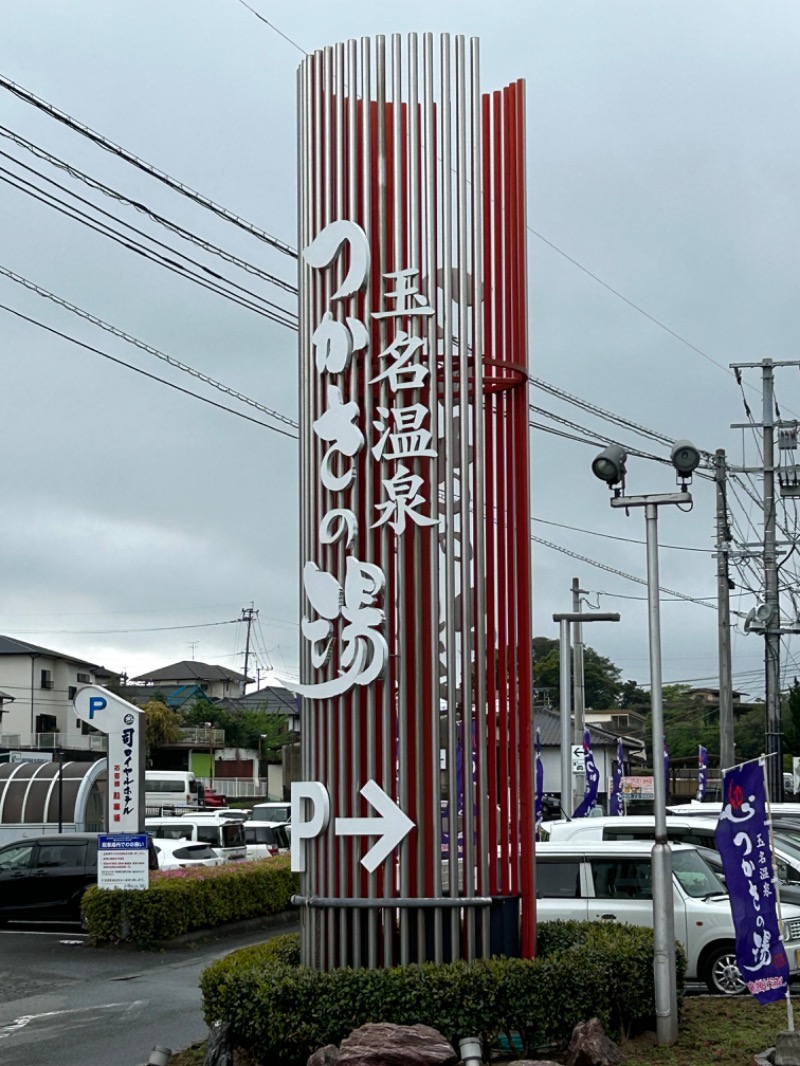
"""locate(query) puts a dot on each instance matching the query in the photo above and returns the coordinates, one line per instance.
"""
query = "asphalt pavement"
(65, 1003)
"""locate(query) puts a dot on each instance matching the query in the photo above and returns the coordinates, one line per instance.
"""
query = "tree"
(601, 677)
(254, 728)
(162, 725)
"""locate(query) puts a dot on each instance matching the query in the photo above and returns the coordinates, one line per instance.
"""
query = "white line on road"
(26, 1019)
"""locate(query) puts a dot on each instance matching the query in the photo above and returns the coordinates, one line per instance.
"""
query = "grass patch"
(713, 1032)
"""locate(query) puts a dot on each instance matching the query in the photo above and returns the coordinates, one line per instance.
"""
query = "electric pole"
(772, 640)
(249, 616)
(578, 686)
(726, 749)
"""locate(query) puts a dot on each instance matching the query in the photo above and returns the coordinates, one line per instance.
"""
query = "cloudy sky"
(664, 208)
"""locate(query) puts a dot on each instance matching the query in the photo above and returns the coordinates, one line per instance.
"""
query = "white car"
(266, 838)
(272, 811)
(696, 830)
(175, 854)
(594, 881)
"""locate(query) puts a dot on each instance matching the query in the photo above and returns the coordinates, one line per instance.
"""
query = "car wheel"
(721, 973)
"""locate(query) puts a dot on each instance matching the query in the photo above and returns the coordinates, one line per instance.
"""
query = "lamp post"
(609, 466)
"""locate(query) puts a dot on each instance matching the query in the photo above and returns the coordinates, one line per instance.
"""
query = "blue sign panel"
(743, 840)
(122, 841)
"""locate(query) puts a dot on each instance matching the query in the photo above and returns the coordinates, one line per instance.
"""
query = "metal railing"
(237, 787)
(51, 740)
(197, 735)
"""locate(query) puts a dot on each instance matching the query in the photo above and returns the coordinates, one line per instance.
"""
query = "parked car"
(612, 882)
(222, 834)
(272, 812)
(697, 831)
(265, 839)
(44, 877)
(211, 798)
(175, 854)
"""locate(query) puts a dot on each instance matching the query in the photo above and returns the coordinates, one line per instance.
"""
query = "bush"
(181, 901)
(281, 1012)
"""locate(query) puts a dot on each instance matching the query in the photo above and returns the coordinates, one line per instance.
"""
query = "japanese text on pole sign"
(742, 837)
(402, 434)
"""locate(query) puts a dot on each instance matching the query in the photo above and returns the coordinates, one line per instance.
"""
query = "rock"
(385, 1044)
(590, 1046)
(219, 1051)
(324, 1056)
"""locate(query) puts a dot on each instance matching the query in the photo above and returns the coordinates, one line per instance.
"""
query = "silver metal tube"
(429, 121)
(465, 516)
(366, 182)
(663, 907)
(577, 687)
(566, 725)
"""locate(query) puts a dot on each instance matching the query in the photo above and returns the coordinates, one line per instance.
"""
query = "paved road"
(63, 1003)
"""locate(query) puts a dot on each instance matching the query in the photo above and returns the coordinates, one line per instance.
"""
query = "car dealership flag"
(743, 839)
(702, 773)
(589, 801)
(616, 805)
(666, 767)
(539, 802)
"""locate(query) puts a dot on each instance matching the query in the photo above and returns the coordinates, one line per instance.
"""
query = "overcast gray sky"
(662, 156)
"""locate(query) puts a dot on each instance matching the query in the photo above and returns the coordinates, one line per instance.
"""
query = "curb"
(287, 920)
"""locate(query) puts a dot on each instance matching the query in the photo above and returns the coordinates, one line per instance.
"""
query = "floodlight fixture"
(685, 458)
(609, 465)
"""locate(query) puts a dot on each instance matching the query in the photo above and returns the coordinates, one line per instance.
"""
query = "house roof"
(549, 724)
(272, 698)
(12, 646)
(190, 671)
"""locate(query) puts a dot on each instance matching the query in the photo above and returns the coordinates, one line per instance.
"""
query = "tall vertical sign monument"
(413, 825)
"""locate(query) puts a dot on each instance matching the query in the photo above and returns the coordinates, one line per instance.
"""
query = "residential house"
(216, 682)
(38, 686)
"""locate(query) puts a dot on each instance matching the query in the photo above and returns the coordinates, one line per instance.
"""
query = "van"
(171, 788)
(45, 876)
(225, 837)
(602, 881)
(701, 832)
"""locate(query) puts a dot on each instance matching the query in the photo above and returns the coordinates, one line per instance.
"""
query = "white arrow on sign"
(391, 826)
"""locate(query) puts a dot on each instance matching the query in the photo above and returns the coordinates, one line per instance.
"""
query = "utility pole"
(772, 640)
(768, 615)
(578, 686)
(726, 748)
(248, 615)
(567, 784)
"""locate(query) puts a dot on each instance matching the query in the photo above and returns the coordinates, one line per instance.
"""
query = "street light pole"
(609, 466)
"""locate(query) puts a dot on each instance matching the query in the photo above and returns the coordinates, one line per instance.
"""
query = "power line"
(147, 374)
(620, 573)
(154, 172)
(127, 242)
(627, 540)
(274, 28)
(134, 229)
(173, 227)
(177, 364)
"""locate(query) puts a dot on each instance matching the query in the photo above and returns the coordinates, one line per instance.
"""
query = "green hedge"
(281, 1012)
(182, 901)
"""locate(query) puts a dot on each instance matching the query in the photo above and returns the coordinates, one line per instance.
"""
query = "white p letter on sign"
(307, 828)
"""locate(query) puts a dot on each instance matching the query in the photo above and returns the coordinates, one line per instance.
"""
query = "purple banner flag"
(743, 840)
(589, 801)
(539, 802)
(616, 806)
(666, 768)
(702, 775)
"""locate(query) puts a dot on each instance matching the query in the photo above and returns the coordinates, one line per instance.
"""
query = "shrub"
(281, 1012)
(181, 901)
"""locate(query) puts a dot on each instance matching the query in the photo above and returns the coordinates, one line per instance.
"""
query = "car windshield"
(694, 875)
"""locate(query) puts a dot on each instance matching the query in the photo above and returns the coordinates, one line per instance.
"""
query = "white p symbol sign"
(307, 828)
